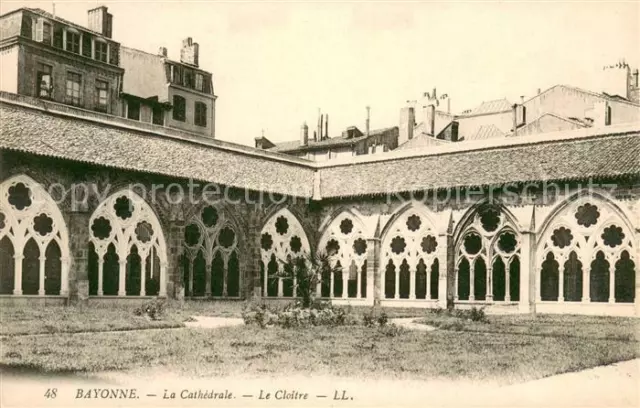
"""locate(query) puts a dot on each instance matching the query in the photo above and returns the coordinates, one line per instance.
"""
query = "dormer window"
(44, 31)
(73, 42)
(101, 48)
(200, 82)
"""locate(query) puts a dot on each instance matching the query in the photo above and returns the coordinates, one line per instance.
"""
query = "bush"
(477, 315)
(152, 309)
(294, 315)
(391, 330)
(383, 319)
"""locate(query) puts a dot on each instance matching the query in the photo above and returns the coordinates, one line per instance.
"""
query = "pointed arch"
(29, 215)
(410, 240)
(282, 236)
(587, 233)
(124, 226)
(487, 238)
(211, 238)
(345, 236)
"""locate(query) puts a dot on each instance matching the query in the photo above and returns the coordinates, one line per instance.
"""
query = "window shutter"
(39, 30)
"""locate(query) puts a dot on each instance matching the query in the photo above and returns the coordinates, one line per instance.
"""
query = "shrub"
(477, 315)
(383, 319)
(391, 330)
(152, 309)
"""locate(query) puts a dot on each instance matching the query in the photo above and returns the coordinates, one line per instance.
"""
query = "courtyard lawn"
(592, 327)
(351, 351)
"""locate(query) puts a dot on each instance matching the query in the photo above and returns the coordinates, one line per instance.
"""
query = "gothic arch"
(128, 248)
(410, 254)
(593, 248)
(487, 254)
(34, 227)
(213, 243)
(345, 239)
(282, 237)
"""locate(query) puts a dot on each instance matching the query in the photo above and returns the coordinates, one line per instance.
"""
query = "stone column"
(208, 278)
(17, 273)
(41, 291)
(122, 277)
(374, 280)
(586, 283)
(143, 273)
(472, 279)
(529, 291)
(412, 283)
(443, 272)
(79, 230)
(451, 294)
(488, 296)
(174, 281)
(612, 281)
(561, 281)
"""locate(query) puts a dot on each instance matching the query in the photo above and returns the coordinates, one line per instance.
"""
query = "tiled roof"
(557, 160)
(569, 155)
(35, 131)
(486, 132)
(294, 145)
(421, 141)
(498, 105)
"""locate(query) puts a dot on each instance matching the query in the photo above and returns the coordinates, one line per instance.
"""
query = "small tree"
(308, 271)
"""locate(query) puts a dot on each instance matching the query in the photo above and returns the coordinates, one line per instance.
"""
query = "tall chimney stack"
(162, 51)
(515, 119)
(407, 123)
(100, 21)
(304, 134)
(432, 119)
(326, 126)
(190, 52)
(368, 122)
(318, 135)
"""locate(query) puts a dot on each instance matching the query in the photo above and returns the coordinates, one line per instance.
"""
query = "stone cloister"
(79, 231)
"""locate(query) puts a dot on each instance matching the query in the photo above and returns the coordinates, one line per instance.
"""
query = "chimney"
(100, 21)
(539, 90)
(449, 105)
(515, 119)
(189, 54)
(407, 123)
(635, 78)
(522, 99)
(326, 126)
(367, 123)
(304, 134)
(318, 134)
(432, 119)
(162, 51)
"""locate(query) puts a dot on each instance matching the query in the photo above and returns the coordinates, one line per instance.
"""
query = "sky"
(275, 64)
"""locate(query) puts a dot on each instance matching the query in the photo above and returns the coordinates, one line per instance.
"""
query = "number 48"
(51, 393)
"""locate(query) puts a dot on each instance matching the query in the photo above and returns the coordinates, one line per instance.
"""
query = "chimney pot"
(162, 51)
(326, 126)
(515, 119)
(304, 134)
(367, 123)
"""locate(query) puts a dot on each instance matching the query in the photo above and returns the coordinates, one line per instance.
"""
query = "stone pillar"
(451, 294)
(174, 285)
(586, 280)
(143, 274)
(443, 272)
(561, 281)
(41, 291)
(412, 283)
(79, 230)
(612, 281)
(207, 284)
(472, 279)
(374, 279)
(489, 291)
(122, 277)
(17, 273)
(528, 273)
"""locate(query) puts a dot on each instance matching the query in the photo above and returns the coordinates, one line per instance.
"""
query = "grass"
(592, 327)
(344, 351)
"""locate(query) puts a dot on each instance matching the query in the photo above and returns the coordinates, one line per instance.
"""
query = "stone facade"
(386, 245)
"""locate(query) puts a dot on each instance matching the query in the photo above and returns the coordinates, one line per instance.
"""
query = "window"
(44, 86)
(157, 116)
(188, 79)
(101, 51)
(133, 110)
(176, 74)
(200, 82)
(179, 108)
(46, 33)
(73, 88)
(200, 116)
(102, 96)
(73, 42)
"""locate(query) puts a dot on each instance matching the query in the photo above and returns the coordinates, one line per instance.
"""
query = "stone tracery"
(34, 242)
(127, 248)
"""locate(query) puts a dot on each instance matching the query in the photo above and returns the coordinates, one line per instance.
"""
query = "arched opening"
(499, 280)
(435, 276)
(363, 280)
(405, 280)
(421, 280)
(352, 284)
(464, 280)
(7, 266)
(133, 281)
(514, 279)
(111, 272)
(52, 269)
(272, 283)
(480, 279)
(200, 274)
(599, 279)
(152, 279)
(233, 275)
(31, 268)
(338, 286)
(186, 268)
(573, 278)
(217, 275)
(390, 281)
(92, 265)
(549, 278)
(625, 279)
(287, 281)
